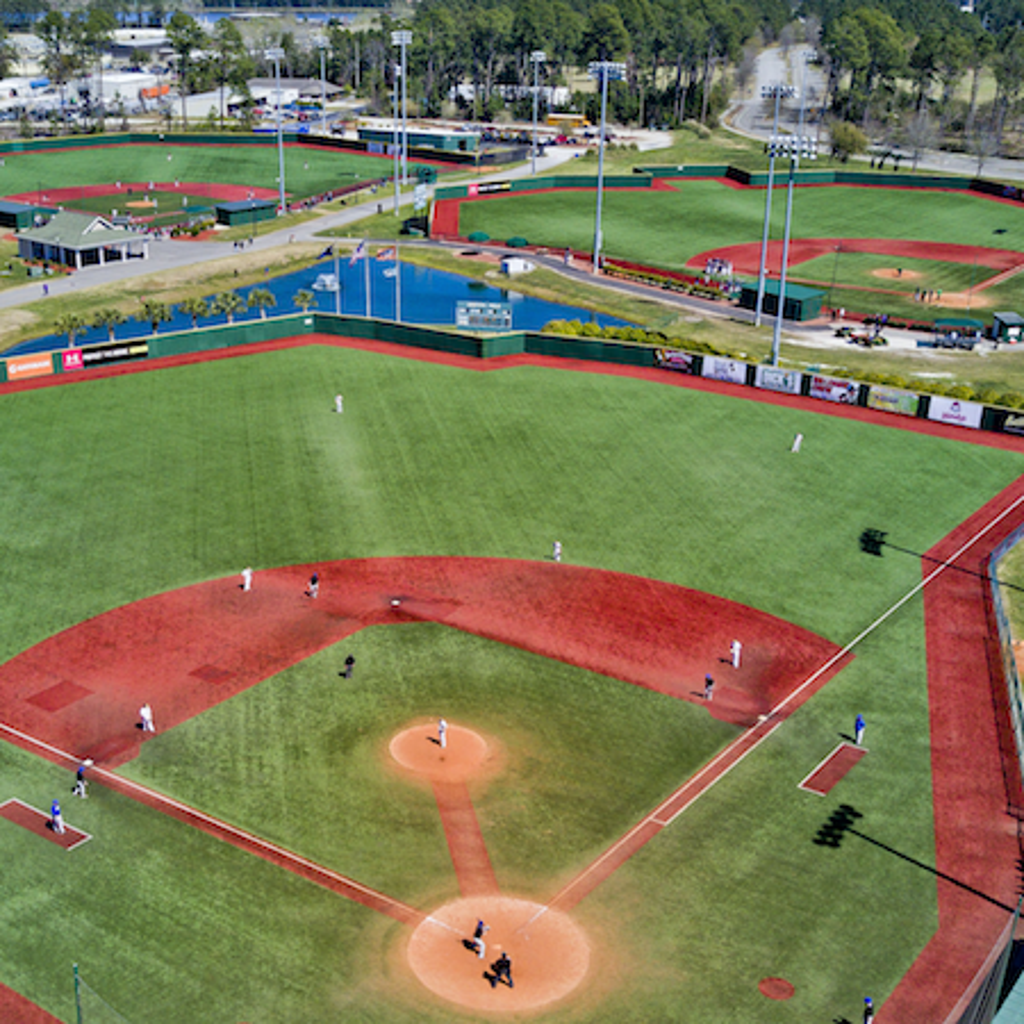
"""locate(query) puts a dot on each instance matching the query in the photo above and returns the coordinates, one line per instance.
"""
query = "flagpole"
(337, 283)
(398, 285)
(366, 263)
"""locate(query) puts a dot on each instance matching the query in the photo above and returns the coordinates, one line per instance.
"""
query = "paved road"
(752, 116)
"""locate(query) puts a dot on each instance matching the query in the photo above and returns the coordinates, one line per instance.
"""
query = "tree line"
(901, 70)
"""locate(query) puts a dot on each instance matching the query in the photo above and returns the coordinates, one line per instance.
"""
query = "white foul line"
(653, 817)
(216, 824)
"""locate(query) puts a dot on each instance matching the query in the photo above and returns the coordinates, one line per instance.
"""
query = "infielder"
(146, 718)
(442, 733)
(736, 650)
(247, 579)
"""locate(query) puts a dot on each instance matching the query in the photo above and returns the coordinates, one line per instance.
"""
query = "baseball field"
(684, 221)
(290, 846)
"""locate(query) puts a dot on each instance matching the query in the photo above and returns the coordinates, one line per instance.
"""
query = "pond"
(428, 297)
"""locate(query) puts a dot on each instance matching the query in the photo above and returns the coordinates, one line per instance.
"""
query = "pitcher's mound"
(466, 756)
(549, 952)
(895, 274)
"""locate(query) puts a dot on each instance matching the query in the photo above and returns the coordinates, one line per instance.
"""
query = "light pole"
(603, 70)
(796, 144)
(394, 138)
(402, 39)
(778, 91)
(321, 43)
(536, 58)
(275, 55)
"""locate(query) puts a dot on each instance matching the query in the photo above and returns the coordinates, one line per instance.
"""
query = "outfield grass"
(116, 489)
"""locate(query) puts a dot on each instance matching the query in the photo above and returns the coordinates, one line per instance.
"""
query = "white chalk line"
(654, 817)
(86, 836)
(217, 824)
(802, 784)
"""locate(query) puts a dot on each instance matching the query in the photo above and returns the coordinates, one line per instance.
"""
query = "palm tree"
(195, 308)
(109, 318)
(261, 298)
(304, 298)
(227, 304)
(153, 313)
(70, 324)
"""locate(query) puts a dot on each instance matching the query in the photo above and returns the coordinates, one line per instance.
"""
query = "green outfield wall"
(841, 390)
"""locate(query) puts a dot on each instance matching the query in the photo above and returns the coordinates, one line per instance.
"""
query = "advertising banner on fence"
(71, 360)
(892, 400)
(773, 379)
(485, 187)
(23, 367)
(670, 359)
(955, 411)
(1006, 422)
(719, 368)
(111, 352)
(834, 389)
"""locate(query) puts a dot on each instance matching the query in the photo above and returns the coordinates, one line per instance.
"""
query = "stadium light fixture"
(402, 39)
(537, 58)
(776, 91)
(276, 54)
(603, 70)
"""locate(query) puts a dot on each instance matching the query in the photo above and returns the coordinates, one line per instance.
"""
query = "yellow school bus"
(567, 122)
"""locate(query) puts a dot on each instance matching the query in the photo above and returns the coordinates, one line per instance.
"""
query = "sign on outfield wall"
(23, 367)
(486, 187)
(671, 359)
(834, 389)
(93, 355)
(955, 411)
(773, 379)
(892, 400)
(719, 368)
(71, 359)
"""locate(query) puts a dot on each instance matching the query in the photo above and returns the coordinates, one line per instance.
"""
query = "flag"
(387, 254)
(360, 252)
(329, 251)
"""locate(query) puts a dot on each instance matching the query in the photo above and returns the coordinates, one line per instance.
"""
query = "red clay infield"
(209, 189)
(216, 641)
(746, 258)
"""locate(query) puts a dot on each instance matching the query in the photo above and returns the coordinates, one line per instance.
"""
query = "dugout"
(1007, 327)
(20, 215)
(245, 211)
(802, 303)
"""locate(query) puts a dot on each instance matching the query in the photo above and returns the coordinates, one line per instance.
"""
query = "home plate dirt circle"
(467, 754)
(549, 952)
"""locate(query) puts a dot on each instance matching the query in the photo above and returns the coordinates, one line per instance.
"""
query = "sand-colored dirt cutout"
(896, 274)
(550, 954)
(466, 755)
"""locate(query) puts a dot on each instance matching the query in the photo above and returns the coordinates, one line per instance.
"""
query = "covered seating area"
(80, 240)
